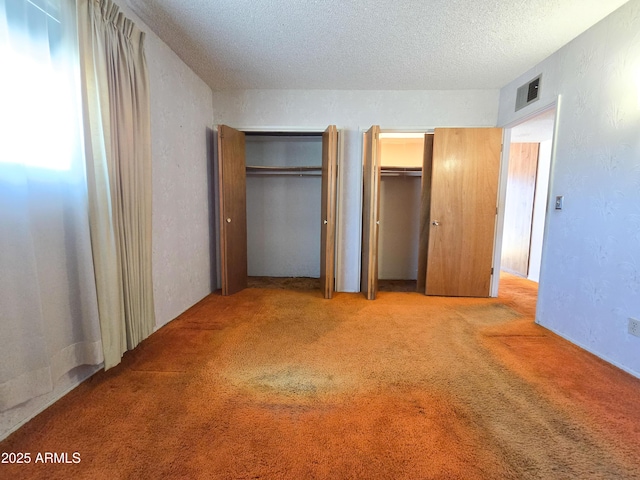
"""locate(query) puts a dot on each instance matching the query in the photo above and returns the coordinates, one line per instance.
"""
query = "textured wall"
(590, 274)
(181, 114)
(353, 111)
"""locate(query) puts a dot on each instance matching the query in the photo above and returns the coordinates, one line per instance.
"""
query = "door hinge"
(491, 270)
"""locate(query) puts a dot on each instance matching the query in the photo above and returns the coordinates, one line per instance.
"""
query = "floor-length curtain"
(118, 148)
(48, 307)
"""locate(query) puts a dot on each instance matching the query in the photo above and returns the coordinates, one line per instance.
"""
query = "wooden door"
(518, 211)
(370, 212)
(425, 211)
(464, 191)
(328, 210)
(232, 192)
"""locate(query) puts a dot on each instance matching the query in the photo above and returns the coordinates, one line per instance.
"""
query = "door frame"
(271, 129)
(502, 190)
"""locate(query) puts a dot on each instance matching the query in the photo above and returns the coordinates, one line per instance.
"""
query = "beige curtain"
(118, 150)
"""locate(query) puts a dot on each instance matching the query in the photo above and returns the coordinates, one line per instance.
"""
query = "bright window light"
(38, 104)
(37, 112)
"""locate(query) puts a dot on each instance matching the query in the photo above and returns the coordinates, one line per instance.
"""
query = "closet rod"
(401, 171)
(299, 171)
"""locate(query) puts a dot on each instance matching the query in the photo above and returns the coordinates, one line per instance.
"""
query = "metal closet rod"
(401, 171)
(298, 171)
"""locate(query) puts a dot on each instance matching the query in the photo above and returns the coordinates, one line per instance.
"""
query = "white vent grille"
(528, 93)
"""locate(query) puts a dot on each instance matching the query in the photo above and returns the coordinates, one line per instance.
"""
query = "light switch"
(559, 202)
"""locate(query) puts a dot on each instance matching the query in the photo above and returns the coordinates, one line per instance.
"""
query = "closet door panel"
(233, 209)
(370, 213)
(464, 192)
(328, 210)
(425, 211)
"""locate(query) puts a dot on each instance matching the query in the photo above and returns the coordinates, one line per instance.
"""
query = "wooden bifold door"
(370, 212)
(232, 191)
(457, 213)
(232, 198)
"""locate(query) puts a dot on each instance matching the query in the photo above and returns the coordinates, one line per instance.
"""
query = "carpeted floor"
(286, 283)
(397, 285)
(275, 383)
(307, 283)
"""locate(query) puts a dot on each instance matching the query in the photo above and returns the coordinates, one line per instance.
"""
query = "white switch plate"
(559, 202)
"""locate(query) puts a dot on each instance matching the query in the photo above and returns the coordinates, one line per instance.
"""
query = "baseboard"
(592, 352)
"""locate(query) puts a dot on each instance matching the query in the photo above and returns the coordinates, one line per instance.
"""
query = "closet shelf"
(401, 171)
(297, 171)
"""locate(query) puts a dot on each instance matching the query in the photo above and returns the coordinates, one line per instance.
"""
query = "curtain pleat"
(119, 167)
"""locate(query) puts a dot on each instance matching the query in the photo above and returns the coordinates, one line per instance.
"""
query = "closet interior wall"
(400, 186)
(283, 206)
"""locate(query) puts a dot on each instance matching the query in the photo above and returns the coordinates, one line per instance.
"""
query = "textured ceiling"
(366, 45)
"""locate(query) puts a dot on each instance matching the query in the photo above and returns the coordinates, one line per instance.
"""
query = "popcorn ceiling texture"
(370, 45)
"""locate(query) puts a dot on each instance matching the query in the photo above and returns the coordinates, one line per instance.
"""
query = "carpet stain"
(282, 384)
(292, 382)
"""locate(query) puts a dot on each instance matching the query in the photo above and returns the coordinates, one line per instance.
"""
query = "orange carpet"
(273, 383)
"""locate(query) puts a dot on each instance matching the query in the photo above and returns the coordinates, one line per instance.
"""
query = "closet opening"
(401, 160)
(277, 204)
(284, 192)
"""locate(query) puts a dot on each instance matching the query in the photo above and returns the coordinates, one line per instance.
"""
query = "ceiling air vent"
(528, 93)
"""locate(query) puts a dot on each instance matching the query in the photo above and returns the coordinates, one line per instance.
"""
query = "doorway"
(526, 198)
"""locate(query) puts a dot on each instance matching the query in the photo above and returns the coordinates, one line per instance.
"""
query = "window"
(40, 116)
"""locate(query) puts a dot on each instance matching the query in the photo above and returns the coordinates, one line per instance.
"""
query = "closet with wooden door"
(277, 205)
(458, 209)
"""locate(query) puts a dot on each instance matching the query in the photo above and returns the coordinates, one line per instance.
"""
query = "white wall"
(590, 274)
(353, 111)
(181, 115)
